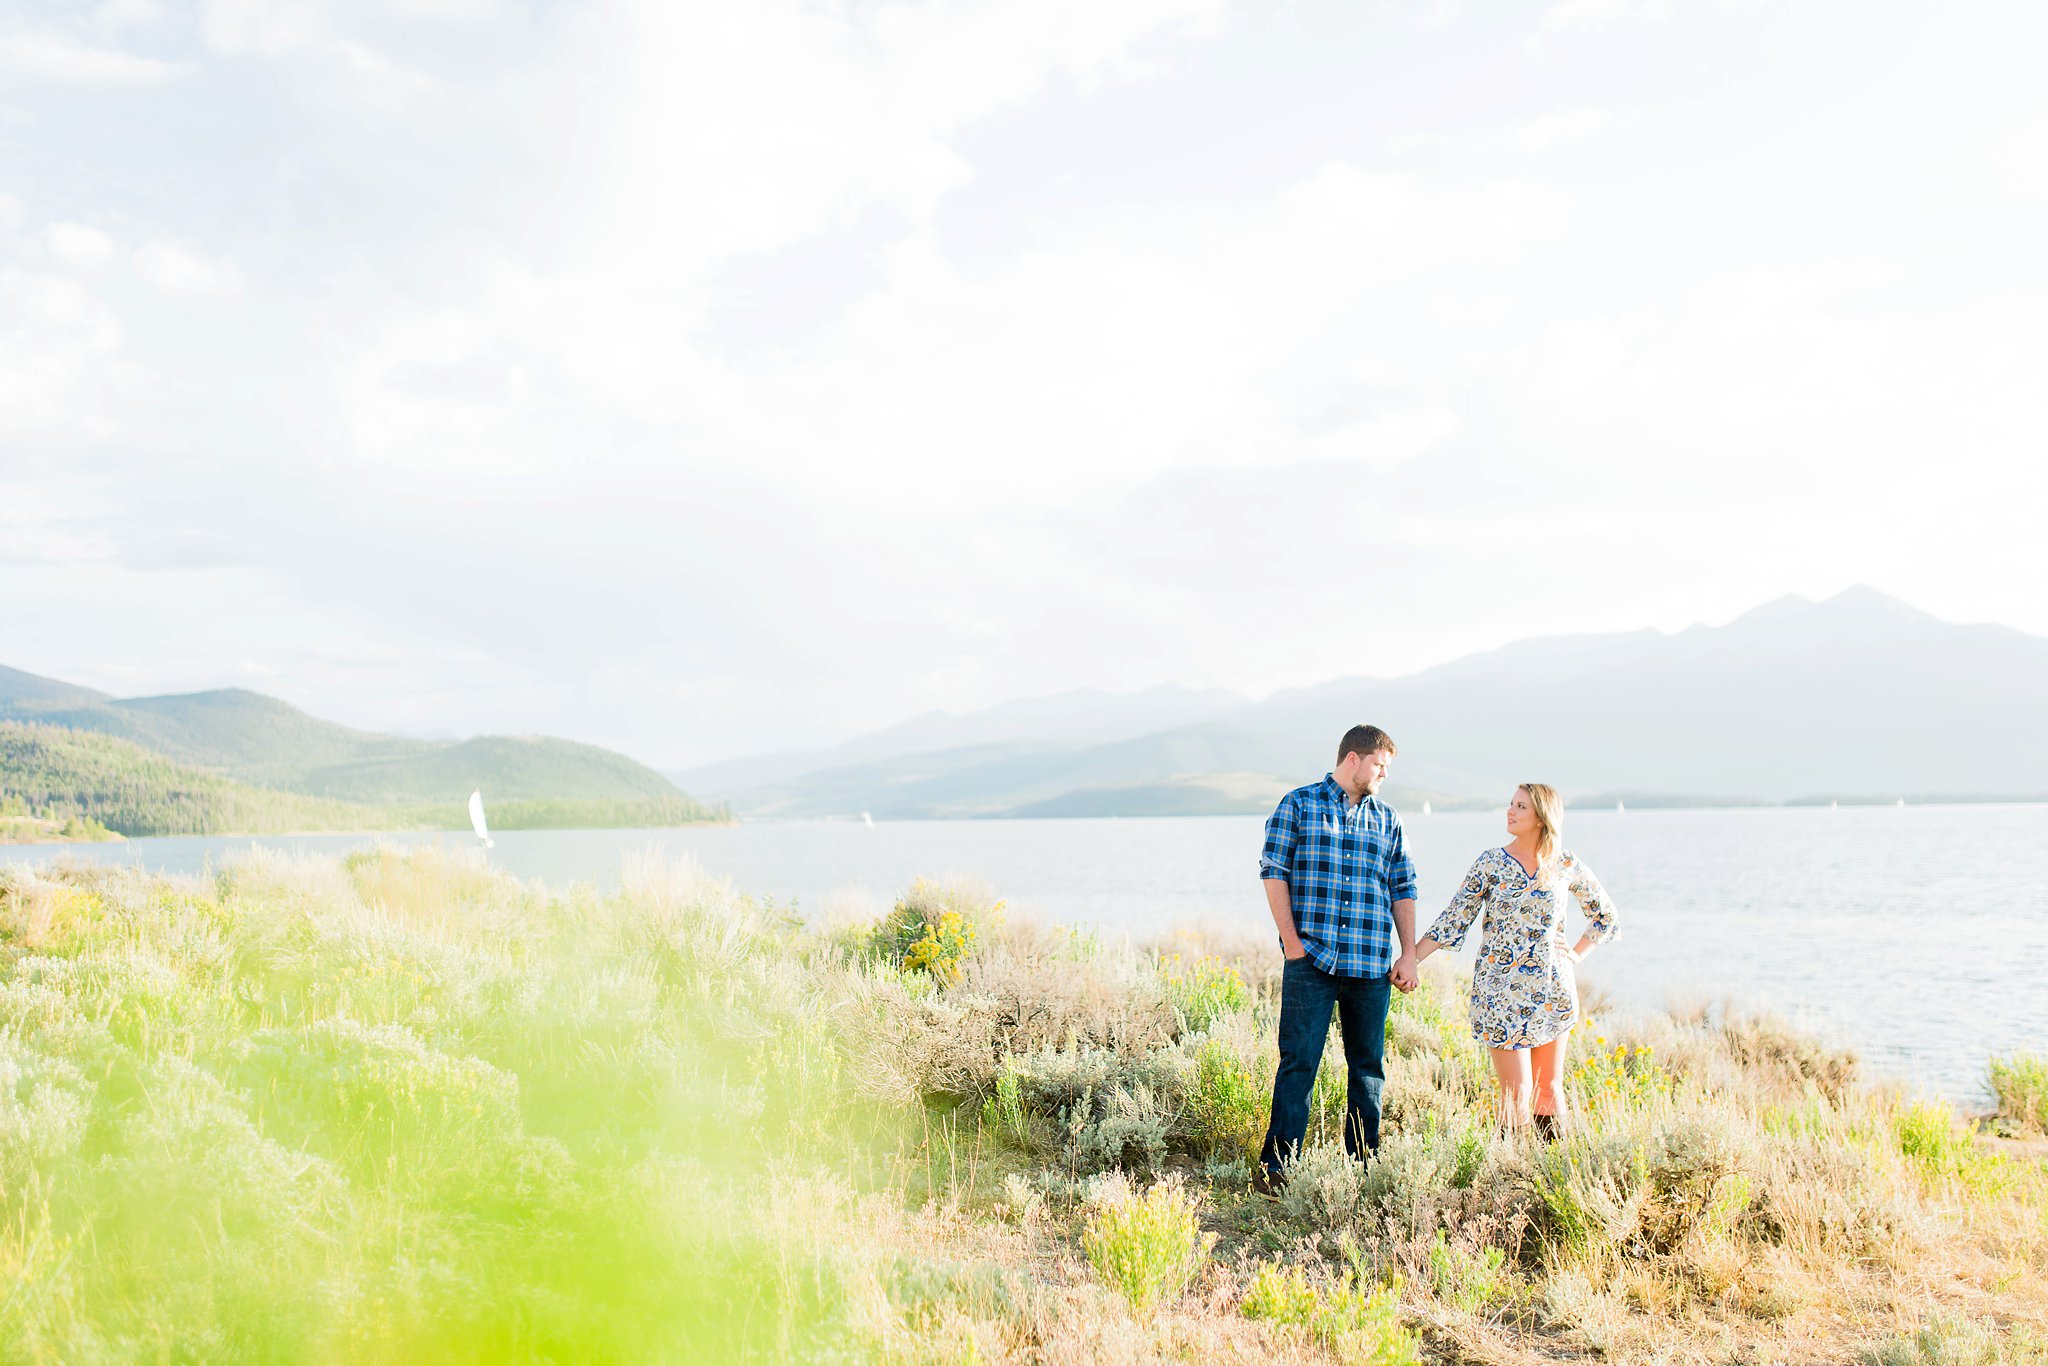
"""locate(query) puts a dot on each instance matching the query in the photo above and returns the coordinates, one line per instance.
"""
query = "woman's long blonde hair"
(1549, 809)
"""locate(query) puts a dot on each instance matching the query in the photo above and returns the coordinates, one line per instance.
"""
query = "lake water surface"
(1919, 935)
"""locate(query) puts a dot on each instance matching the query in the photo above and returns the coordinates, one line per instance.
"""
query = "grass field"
(399, 1108)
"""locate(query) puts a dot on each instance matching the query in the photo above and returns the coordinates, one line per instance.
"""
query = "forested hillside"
(267, 743)
(54, 774)
(67, 784)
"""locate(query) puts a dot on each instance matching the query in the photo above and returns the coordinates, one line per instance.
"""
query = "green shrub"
(1431, 1021)
(2020, 1083)
(933, 929)
(184, 1155)
(1226, 1107)
(45, 1104)
(1469, 1279)
(1326, 1095)
(1469, 1157)
(1280, 1295)
(1773, 1047)
(377, 1099)
(1148, 1247)
(1202, 992)
(1416, 1171)
(1624, 1074)
(1325, 1189)
(1108, 1110)
(1944, 1148)
(939, 949)
(1362, 1324)
(1928, 1133)
(140, 997)
(1004, 1113)
(922, 1289)
(1589, 1197)
(1696, 1185)
(1954, 1339)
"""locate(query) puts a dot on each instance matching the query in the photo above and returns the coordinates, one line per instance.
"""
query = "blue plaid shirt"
(1345, 866)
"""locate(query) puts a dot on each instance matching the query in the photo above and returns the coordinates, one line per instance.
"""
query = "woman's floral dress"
(1523, 990)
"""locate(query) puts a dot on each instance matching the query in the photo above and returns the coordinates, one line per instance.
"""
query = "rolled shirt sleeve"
(1283, 832)
(1401, 869)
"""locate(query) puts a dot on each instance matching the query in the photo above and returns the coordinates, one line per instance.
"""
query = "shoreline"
(1586, 807)
(1581, 809)
(116, 837)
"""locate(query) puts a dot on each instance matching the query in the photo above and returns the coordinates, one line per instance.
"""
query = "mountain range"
(1859, 697)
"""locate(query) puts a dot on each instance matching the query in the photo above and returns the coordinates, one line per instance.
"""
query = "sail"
(476, 817)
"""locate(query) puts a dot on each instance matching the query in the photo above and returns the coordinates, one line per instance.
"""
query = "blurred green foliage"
(402, 1109)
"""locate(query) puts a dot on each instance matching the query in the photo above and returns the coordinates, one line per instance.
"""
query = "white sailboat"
(1619, 806)
(867, 820)
(1425, 808)
(476, 817)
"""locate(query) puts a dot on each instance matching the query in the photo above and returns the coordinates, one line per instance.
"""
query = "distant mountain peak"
(217, 697)
(17, 686)
(1777, 609)
(1865, 599)
(1859, 602)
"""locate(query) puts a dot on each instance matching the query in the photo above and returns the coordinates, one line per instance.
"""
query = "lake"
(1917, 935)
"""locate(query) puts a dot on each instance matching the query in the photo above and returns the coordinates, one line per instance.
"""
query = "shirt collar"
(1336, 793)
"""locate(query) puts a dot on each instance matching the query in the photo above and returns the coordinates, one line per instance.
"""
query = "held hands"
(1407, 973)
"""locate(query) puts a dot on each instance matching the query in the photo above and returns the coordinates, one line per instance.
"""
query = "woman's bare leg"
(1546, 1064)
(1511, 1071)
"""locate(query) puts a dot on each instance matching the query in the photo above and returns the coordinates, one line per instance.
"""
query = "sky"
(703, 379)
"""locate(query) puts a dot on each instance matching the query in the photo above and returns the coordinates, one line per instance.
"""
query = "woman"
(1524, 998)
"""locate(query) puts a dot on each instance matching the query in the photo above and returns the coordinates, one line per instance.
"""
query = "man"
(1342, 891)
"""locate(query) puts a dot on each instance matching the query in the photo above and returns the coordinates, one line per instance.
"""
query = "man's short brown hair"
(1365, 740)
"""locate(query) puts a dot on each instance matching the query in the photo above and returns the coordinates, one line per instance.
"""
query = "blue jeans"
(1307, 995)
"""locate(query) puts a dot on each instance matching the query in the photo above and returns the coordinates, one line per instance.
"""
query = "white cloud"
(36, 529)
(114, 16)
(1598, 13)
(1560, 128)
(791, 366)
(955, 389)
(239, 28)
(79, 245)
(803, 117)
(61, 363)
(1387, 439)
(802, 120)
(1215, 336)
(49, 57)
(184, 273)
